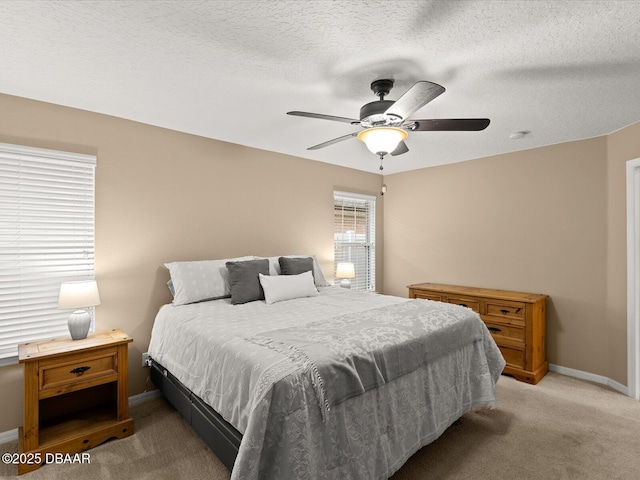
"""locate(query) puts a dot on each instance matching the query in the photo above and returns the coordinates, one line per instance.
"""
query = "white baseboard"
(12, 435)
(144, 396)
(592, 377)
(9, 436)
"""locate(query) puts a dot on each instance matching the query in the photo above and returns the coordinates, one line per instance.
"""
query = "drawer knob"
(463, 304)
(504, 312)
(80, 370)
(494, 329)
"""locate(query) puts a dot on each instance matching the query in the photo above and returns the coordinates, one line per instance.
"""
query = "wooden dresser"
(516, 320)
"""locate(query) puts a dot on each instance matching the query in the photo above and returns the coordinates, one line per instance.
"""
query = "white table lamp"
(345, 270)
(79, 295)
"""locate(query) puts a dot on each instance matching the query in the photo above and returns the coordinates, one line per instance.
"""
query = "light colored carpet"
(562, 428)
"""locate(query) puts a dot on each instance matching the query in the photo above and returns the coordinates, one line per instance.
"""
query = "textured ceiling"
(230, 70)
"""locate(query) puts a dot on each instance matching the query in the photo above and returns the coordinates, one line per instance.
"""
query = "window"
(46, 237)
(354, 236)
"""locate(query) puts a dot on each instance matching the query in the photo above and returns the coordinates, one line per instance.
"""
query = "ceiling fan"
(385, 123)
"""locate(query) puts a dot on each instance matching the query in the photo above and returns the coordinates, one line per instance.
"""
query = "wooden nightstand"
(75, 395)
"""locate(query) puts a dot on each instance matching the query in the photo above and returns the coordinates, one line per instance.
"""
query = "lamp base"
(345, 283)
(79, 323)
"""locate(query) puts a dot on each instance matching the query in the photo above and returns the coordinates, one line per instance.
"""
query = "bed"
(339, 384)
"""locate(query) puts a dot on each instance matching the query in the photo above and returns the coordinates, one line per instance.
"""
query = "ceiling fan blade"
(331, 142)
(321, 116)
(417, 96)
(450, 124)
(400, 149)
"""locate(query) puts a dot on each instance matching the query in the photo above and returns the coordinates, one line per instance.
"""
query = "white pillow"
(287, 287)
(200, 280)
(274, 268)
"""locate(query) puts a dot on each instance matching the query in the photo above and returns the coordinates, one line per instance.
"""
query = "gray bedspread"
(343, 386)
(353, 353)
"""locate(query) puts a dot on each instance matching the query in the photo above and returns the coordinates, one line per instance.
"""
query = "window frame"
(366, 244)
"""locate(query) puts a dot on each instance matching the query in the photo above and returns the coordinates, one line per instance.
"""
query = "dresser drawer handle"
(80, 370)
(463, 304)
(494, 329)
(504, 312)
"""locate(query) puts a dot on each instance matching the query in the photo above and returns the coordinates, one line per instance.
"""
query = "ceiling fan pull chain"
(381, 157)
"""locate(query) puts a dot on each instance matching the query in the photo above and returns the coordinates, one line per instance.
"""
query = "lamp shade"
(78, 294)
(345, 270)
(382, 140)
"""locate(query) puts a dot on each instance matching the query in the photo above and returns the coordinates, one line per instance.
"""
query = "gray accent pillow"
(244, 280)
(295, 266)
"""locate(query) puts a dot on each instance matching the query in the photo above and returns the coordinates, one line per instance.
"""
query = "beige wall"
(161, 196)
(547, 220)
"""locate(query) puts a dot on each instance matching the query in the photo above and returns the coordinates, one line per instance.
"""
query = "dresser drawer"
(472, 303)
(72, 372)
(503, 311)
(506, 334)
(426, 296)
(513, 356)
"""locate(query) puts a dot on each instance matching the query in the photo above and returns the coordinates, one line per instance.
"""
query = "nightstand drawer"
(71, 372)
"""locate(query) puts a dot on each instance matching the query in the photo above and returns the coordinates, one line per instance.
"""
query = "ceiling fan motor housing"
(372, 114)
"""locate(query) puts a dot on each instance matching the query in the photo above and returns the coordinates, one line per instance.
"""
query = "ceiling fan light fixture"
(382, 140)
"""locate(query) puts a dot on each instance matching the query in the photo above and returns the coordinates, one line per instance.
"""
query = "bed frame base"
(221, 437)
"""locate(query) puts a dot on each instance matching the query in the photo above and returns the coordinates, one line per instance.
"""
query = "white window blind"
(46, 238)
(354, 234)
